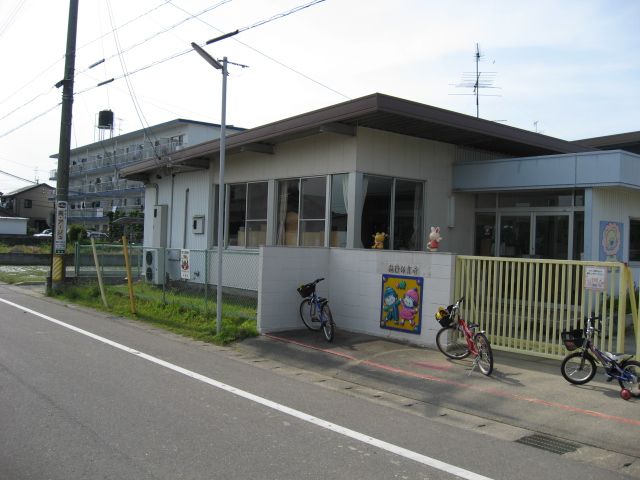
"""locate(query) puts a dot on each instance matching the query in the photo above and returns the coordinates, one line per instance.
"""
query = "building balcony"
(118, 158)
(106, 189)
(95, 214)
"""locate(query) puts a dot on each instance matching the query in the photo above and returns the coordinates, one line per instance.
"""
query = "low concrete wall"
(31, 259)
(353, 285)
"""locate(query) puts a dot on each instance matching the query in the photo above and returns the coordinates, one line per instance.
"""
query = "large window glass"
(485, 234)
(407, 216)
(394, 207)
(247, 214)
(515, 236)
(376, 208)
(339, 188)
(314, 192)
(301, 211)
(634, 240)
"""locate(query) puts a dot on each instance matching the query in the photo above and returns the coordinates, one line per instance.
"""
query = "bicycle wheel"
(632, 367)
(451, 342)
(578, 368)
(306, 308)
(328, 327)
(485, 355)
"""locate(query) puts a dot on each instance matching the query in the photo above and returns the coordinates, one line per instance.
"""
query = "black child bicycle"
(579, 367)
(315, 311)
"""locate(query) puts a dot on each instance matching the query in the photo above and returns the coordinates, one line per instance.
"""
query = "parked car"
(97, 235)
(47, 232)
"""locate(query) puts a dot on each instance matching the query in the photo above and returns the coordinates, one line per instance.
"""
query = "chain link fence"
(185, 278)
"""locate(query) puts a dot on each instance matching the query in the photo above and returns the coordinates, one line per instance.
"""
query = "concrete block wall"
(353, 285)
(281, 271)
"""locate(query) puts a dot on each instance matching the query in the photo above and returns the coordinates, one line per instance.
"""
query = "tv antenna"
(477, 80)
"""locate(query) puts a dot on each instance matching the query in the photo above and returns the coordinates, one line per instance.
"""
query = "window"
(339, 188)
(314, 192)
(247, 214)
(407, 215)
(27, 203)
(301, 211)
(485, 234)
(376, 208)
(634, 240)
(395, 207)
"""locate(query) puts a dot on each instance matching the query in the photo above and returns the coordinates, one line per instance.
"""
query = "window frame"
(246, 221)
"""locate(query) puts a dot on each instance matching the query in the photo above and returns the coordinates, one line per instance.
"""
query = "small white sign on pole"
(60, 234)
(185, 268)
(595, 278)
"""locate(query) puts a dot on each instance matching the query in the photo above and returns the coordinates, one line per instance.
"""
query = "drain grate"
(549, 444)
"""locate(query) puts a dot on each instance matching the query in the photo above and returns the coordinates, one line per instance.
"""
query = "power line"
(16, 176)
(126, 74)
(275, 17)
(30, 120)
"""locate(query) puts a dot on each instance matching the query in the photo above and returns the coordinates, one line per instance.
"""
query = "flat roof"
(629, 141)
(376, 111)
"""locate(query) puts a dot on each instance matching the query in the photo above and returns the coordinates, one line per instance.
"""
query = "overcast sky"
(571, 66)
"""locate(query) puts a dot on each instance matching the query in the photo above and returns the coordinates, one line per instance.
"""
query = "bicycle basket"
(443, 316)
(572, 339)
(306, 290)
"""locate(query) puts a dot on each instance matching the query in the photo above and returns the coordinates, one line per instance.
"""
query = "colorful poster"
(401, 303)
(185, 268)
(610, 241)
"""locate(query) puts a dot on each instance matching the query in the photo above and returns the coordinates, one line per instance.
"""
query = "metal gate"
(524, 304)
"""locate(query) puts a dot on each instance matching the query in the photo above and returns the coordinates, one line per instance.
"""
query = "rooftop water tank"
(105, 120)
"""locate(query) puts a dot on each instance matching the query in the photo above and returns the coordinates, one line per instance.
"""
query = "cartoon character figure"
(434, 239)
(378, 240)
(390, 307)
(409, 307)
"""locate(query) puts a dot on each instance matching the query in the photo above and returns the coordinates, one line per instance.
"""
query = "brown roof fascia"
(351, 110)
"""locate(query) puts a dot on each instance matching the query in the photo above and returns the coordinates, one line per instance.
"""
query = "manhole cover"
(549, 444)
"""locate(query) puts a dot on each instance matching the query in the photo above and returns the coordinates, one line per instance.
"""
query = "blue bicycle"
(580, 367)
(315, 311)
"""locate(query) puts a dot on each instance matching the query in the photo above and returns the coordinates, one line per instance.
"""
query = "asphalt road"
(85, 396)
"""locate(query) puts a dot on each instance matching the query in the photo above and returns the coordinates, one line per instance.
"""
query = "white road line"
(375, 442)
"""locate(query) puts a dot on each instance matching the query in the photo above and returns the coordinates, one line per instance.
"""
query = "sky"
(567, 69)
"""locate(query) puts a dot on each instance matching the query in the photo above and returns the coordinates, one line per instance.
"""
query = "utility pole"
(64, 151)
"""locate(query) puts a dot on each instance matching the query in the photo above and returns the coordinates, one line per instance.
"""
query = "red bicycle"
(457, 339)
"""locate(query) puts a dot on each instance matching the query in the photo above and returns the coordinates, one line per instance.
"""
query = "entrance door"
(515, 235)
(551, 236)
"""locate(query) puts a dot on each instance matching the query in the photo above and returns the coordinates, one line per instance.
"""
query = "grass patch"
(181, 313)
(23, 274)
(44, 247)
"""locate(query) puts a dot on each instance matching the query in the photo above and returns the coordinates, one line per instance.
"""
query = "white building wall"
(316, 155)
(13, 225)
(391, 154)
(195, 203)
(353, 284)
(614, 205)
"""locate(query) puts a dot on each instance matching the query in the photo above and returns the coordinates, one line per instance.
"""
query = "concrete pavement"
(526, 399)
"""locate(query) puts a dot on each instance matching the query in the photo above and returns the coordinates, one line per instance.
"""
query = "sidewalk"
(523, 396)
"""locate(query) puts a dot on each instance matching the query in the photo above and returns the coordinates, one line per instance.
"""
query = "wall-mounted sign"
(185, 267)
(401, 303)
(595, 278)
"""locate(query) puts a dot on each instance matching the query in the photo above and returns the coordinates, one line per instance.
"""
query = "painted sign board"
(60, 236)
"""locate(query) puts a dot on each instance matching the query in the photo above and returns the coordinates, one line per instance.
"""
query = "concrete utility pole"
(64, 152)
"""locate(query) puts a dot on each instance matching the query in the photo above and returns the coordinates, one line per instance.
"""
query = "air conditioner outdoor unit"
(153, 266)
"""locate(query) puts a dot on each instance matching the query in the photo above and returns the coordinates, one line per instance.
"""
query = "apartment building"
(95, 185)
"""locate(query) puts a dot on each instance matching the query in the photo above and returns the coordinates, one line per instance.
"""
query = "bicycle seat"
(473, 325)
(322, 300)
